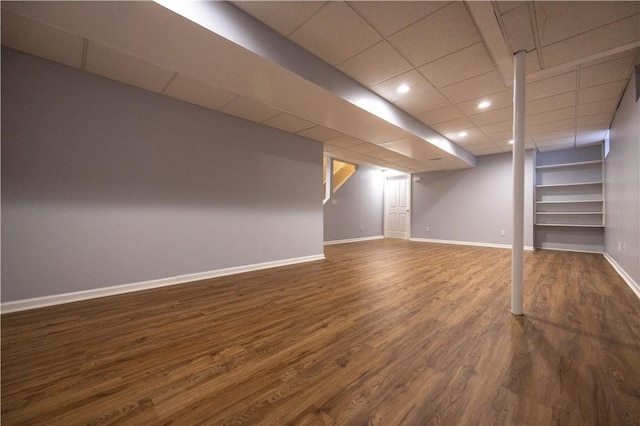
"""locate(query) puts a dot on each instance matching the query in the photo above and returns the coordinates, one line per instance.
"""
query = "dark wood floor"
(384, 332)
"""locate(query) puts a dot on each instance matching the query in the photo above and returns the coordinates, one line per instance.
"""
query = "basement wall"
(622, 188)
(471, 205)
(356, 210)
(104, 184)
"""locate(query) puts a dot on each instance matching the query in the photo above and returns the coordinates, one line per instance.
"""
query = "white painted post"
(517, 249)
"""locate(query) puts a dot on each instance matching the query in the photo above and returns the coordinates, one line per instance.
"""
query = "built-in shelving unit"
(569, 204)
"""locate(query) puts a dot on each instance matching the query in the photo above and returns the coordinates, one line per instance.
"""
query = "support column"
(517, 250)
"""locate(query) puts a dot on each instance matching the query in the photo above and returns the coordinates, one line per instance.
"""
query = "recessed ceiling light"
(403, 88)
(462, 134)
(484, 104)
(511, 142)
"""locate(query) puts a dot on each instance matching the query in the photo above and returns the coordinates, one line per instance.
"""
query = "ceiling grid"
(580, 56)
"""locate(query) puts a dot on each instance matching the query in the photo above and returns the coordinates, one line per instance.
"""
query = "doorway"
(397, 207)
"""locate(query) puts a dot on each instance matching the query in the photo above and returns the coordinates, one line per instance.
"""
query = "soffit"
(126, 55)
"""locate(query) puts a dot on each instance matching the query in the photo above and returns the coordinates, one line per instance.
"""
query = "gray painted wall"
(471, 205)
(358, 203)
(106, 184)
(622, 186)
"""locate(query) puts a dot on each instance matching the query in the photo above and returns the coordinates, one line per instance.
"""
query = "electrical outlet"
(426, 229)
(502, 233)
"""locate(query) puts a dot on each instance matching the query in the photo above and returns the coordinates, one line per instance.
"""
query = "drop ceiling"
(329, 70)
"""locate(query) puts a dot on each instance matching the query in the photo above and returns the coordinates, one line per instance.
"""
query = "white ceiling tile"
(41, 40)
(498, 100)
(493, 116)
(453, 125)
(550, 116)
(598, 107)
(366, 148)
(320, 133)
(289, 123)
(423, 103)
(345, 141)
(413, 79)
(601, 92)
(506, 6)
(601, 60)
(390, 155)
(446, 31)
(551, 103)
(125, 68)
(596, 119)
(486, 151)
(462, 65)
(439, 115)
(501, 126)
(282, 16)
(551, 127)
(618, 69)
(378, 63)
(500, 134)
(249, 110)
(390, 17)
(197, 92)
(476, 87)
(473, 136)
(556, 134)
(336, 33)
(590, 135)
(551, 86)
(475, 146)
(560, 20)
(330, 148)
(517, 24)
(533, 63)
(600, 40)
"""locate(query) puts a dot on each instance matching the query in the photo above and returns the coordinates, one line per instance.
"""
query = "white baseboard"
(626, 277)
(58, 299)
(467, 243)
(353, 240)
(571, 250)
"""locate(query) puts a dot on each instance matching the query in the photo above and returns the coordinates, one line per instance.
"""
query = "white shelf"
(578, 164)
(557, 185)
(569, 198)
(568, 202)
(569, 213)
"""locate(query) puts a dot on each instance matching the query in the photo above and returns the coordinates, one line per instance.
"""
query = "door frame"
(386, 204)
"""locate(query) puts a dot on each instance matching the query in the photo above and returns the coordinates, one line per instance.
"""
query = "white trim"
(353, 240)
(569, 249)
(58, 299)
(626, 277)
(467, 243)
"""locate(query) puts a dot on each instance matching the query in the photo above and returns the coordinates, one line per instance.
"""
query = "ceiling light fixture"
(403, 88)
(484, 104)
(462, 134)
(511, 142)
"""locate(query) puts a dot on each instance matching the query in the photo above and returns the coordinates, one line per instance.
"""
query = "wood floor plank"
(383, 332)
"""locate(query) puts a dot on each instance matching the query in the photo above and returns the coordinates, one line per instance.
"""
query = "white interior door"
(397, 208)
